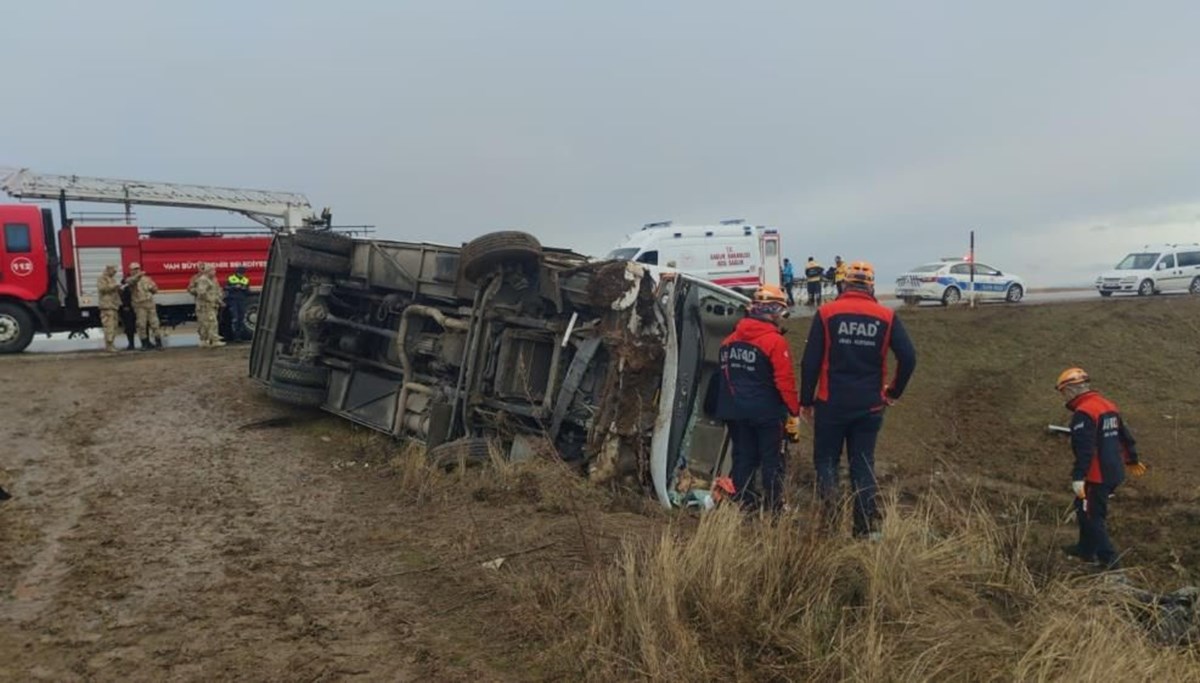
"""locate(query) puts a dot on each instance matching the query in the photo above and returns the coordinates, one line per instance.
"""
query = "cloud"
(886, 131)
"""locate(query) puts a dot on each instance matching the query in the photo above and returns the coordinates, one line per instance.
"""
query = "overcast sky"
(1066, 133)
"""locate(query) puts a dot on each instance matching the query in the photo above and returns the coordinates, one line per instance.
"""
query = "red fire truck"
(48, 275)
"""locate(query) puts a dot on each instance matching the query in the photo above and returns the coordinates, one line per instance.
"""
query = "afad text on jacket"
(757, 378)
(845, 361)
(1100, 440)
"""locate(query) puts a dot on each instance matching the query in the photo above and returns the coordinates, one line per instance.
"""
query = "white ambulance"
(731, 254)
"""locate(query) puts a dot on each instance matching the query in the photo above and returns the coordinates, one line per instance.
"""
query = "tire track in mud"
(60, 505)
(167, 544)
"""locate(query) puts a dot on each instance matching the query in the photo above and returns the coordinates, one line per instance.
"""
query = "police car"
(949, 282)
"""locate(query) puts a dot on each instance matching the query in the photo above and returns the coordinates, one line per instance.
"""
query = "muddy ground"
(171, 523)
(151, 538)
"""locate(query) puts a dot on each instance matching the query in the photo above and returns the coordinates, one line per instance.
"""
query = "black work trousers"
(857, 432)
(129, 323)
(757, 445)
(1091, 513)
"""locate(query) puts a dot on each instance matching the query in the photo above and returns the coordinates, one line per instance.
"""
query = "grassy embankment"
(968, 583)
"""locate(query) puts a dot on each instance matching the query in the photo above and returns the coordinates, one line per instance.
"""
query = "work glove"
(1078, 488)
(1136, 469)
(792, 428)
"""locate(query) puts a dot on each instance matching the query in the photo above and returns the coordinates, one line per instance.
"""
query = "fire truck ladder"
(279, 211)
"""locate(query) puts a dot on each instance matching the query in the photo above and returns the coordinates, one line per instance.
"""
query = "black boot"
(158, 343)
(145, 343)
(131, 346)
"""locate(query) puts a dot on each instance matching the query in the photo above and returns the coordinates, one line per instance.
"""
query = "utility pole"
(971, 256)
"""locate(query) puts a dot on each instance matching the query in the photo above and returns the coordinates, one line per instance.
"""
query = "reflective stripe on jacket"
(758, 381)
(1101, 441)
(845, 359)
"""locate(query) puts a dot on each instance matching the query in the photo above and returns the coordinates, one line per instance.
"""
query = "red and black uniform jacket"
(845, 362)
(1101, 441)
(757, 378)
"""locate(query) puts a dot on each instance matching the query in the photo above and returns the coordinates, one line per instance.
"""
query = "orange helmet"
(1071, 376)
(861, 273)
(770, 294)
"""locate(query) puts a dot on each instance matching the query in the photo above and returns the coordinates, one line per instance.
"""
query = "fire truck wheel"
(290, 371)
(461, 453)
(16, 328)
(320, 262)
(304, 397)
(483, 254)
(324, 240)
(250, 321)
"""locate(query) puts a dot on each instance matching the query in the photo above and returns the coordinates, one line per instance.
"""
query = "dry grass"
(954, 591)
(968, 583)
(414, 473)
(947, 595)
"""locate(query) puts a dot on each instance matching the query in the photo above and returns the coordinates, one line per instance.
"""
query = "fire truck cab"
(24, 270)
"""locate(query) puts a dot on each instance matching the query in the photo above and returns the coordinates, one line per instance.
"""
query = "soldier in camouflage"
(144, 307)
(191, 288)
(110, 300)
(208, 300)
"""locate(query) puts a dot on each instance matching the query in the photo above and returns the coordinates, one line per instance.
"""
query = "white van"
(1154, 269)
(732, 254)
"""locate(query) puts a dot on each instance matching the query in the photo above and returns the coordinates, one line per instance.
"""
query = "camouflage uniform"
(208, 300)
(144, 290)
(191, 288)
(110, 300)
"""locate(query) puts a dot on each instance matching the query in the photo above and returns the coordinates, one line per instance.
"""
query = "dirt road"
(151, 539)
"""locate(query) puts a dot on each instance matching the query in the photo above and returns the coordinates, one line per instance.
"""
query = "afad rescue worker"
(843, 385)
(758, 398)
(142, 291)
(839, 274)
(109, 291)
(1104, 450)
(812, 277)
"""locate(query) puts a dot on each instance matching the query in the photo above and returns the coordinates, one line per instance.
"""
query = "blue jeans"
(857, 432)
